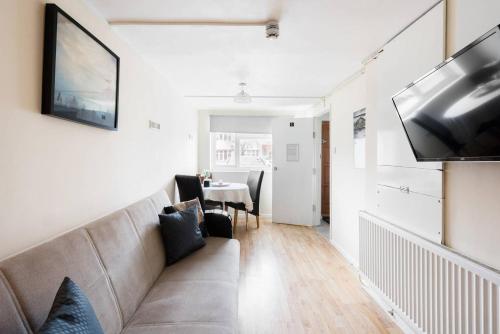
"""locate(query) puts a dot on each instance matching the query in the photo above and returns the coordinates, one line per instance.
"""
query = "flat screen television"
(452, 113)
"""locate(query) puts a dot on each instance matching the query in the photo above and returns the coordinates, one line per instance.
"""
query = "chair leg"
(235, 219)
(258, 223)
(246, 222)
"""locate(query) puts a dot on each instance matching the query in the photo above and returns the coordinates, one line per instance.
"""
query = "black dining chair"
(189, 188)
(217, 222)
(254, 183)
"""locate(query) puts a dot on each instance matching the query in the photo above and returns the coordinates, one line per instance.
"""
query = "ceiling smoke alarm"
(272, 30)
(242, 96)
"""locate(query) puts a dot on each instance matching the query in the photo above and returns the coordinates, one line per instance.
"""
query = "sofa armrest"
(218, 223)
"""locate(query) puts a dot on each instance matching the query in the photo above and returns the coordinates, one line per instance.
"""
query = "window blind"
(240, 124)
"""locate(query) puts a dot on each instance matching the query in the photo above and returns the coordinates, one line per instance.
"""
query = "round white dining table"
(231, 192)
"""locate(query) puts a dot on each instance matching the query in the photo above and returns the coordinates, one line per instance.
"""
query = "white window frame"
(236, 166)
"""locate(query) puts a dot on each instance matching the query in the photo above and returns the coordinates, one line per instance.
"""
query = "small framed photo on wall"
(359, 135)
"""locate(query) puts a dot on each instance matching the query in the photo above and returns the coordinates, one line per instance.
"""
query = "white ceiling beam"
(146, 22)
(257, 97)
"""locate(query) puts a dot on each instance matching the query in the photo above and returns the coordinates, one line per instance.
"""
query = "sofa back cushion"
(122, 253)
(160, 200)
(145, 218)
(12, 319)
(35, 276)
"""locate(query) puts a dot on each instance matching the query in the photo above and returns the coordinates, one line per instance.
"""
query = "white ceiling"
(321, 43)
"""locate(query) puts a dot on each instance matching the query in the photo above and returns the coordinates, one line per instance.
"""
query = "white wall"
(404, 59)
(472, 213)
(407, 57)
(372, 75)
(266, 194)
(55, 174)
(347, 183)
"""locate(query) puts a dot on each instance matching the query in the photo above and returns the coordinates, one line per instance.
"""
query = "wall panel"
(56, 175)
(471, 210)
(410, 55)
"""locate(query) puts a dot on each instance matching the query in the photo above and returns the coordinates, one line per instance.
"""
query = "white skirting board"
(345, 254)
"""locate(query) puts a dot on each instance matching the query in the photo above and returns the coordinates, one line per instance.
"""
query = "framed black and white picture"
(359, 136)
(80, 73)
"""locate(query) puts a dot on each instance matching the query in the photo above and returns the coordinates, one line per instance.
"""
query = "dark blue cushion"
(181, 234)
(71, 312)
(203, 228)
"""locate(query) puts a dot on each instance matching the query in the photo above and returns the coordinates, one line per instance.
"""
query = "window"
(225, 147)
(241, 150)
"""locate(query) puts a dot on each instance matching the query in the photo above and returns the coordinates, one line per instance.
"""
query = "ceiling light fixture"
(272, 30)
(242, 96)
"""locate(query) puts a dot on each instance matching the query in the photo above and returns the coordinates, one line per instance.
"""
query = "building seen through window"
(241, 150)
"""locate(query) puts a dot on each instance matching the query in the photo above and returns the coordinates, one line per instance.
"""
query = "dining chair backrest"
(254, 183)
(189, 188)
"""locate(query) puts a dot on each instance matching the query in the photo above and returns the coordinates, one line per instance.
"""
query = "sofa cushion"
(181, 206)
(12, 320)
(122, 253)
(217, 261)
(199, 294)
(180, 329)
(35, 277)
(147, 223)
(181, 234)
(160, 200)
(71, 312)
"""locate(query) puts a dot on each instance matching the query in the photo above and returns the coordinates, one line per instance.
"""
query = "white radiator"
(433, 288)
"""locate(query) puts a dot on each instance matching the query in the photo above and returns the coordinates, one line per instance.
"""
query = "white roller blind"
(240, 124)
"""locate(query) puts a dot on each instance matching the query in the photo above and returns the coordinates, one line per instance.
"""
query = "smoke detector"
(242, 96)
(272, 30)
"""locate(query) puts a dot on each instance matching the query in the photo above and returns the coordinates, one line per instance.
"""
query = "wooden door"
(325, 169)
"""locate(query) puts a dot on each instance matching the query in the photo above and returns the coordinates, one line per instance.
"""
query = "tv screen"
(453, 112)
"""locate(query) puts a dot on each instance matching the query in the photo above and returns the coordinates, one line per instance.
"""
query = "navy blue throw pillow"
(203, 228)
(71, 312)
(181, 234)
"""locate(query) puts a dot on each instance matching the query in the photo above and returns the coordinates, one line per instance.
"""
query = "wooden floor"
(293, 281)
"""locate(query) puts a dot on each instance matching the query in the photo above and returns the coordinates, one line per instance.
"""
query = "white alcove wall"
(408, 193)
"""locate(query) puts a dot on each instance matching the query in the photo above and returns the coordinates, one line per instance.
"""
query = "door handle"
(275, 168)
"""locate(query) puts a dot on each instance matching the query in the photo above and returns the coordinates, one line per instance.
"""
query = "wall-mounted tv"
(80, 74)
(453, 112)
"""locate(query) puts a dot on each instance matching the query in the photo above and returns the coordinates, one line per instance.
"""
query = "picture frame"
(80, 73)
(359, 137)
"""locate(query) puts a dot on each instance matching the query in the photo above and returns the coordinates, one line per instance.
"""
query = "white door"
(293, 162)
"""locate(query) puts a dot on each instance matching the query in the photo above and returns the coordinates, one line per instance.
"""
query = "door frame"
(325, 115)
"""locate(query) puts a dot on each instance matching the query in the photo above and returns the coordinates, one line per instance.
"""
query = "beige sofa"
(119, 262)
